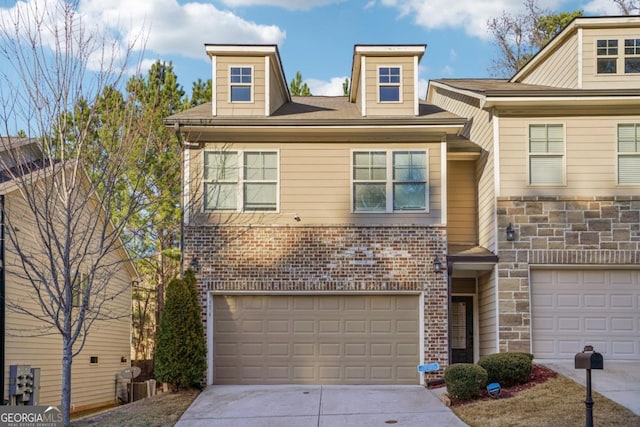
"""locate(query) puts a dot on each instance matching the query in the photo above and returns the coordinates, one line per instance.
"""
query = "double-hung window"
(240, 84)
(241, 181)
(607, 56)
(629, 153)
(546, 154)
(389, 84)
(390, 181)
(221, 178)
(260, 181)
(632, 56)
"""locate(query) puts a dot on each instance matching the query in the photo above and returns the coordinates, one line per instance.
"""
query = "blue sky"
(315, 37)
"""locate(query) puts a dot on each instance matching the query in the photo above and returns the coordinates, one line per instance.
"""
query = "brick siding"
(326, 258)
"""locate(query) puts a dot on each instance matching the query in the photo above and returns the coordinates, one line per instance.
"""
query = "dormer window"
(389, 84)
(607, 52)
(632, 56)
(240, 84)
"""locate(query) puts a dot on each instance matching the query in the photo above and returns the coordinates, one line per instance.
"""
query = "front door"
(462, 329)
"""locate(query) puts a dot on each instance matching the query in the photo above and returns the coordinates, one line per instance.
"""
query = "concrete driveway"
(619, 381)
(318, 405)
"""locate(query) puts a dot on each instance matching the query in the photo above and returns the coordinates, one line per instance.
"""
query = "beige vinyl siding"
(92, 385)
(406, 106)
(481, 133)
(462, 204)
(224, 105)
(620, 80)
(487, 314)
(315, 183)
(590, 159)
(277, 96)
(560, 68)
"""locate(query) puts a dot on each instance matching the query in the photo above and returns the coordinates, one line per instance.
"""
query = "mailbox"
(589, 359)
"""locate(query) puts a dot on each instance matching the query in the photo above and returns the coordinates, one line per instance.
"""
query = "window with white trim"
(607, 56)
(240, 84)
(390, 181)
(629, 153)
(546, 154)
(389, 79)
(632, 56)
(241, 181)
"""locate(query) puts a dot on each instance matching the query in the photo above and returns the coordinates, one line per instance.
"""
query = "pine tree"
(297, 87)
(181, 347)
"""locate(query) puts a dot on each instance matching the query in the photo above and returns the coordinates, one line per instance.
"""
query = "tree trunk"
(65, 400)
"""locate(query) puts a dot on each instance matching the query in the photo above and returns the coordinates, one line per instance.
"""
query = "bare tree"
(628, 7)
(77, 190)
(518, 37)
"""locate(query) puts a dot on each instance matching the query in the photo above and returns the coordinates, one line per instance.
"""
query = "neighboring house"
(561, 166)
(349, 239)
(107, 348)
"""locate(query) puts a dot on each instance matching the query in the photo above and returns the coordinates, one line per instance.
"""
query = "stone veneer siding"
(556, 231)
(338, 259)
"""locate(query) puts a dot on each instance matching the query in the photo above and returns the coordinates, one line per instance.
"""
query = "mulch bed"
(539, 374)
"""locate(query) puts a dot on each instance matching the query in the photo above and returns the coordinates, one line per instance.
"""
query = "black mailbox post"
(589, 360)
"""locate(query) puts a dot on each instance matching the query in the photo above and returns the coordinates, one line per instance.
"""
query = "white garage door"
(321, 339)
(574, 308)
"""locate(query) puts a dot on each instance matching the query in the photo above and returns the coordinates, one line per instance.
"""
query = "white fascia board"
(562, 100)
(390, 49)
(464, 92)
(242, 49)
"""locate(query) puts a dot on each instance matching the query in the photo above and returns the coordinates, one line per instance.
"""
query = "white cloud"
(174, 28)
(453, 55)
(471, 15)
(370, 4)
(332, 87)
(285, 4)
(422, 88)
(163, 27)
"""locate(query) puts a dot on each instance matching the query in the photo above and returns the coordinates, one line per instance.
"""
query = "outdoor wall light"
(511, 234)
(437, 265)
(194, 263)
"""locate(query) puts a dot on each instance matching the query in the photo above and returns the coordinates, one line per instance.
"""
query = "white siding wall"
(480, 132)
(560, 69)
(591, 156)
(620, 80)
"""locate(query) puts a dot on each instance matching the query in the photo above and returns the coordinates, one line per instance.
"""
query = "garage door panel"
(574, 308)
(334, 339)
(597, 301)
(568, 301)
(329, 326)
(355, 326)
(622, 301)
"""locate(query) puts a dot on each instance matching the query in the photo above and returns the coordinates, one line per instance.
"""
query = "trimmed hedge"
(508, 369)
(464, 380)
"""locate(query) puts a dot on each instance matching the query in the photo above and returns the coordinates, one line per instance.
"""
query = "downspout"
(2, 301)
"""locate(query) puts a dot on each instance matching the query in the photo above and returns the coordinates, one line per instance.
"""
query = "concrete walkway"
(618, 381)
(316, 405)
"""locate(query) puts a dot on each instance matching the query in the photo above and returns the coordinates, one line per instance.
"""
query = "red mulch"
(539, 374)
